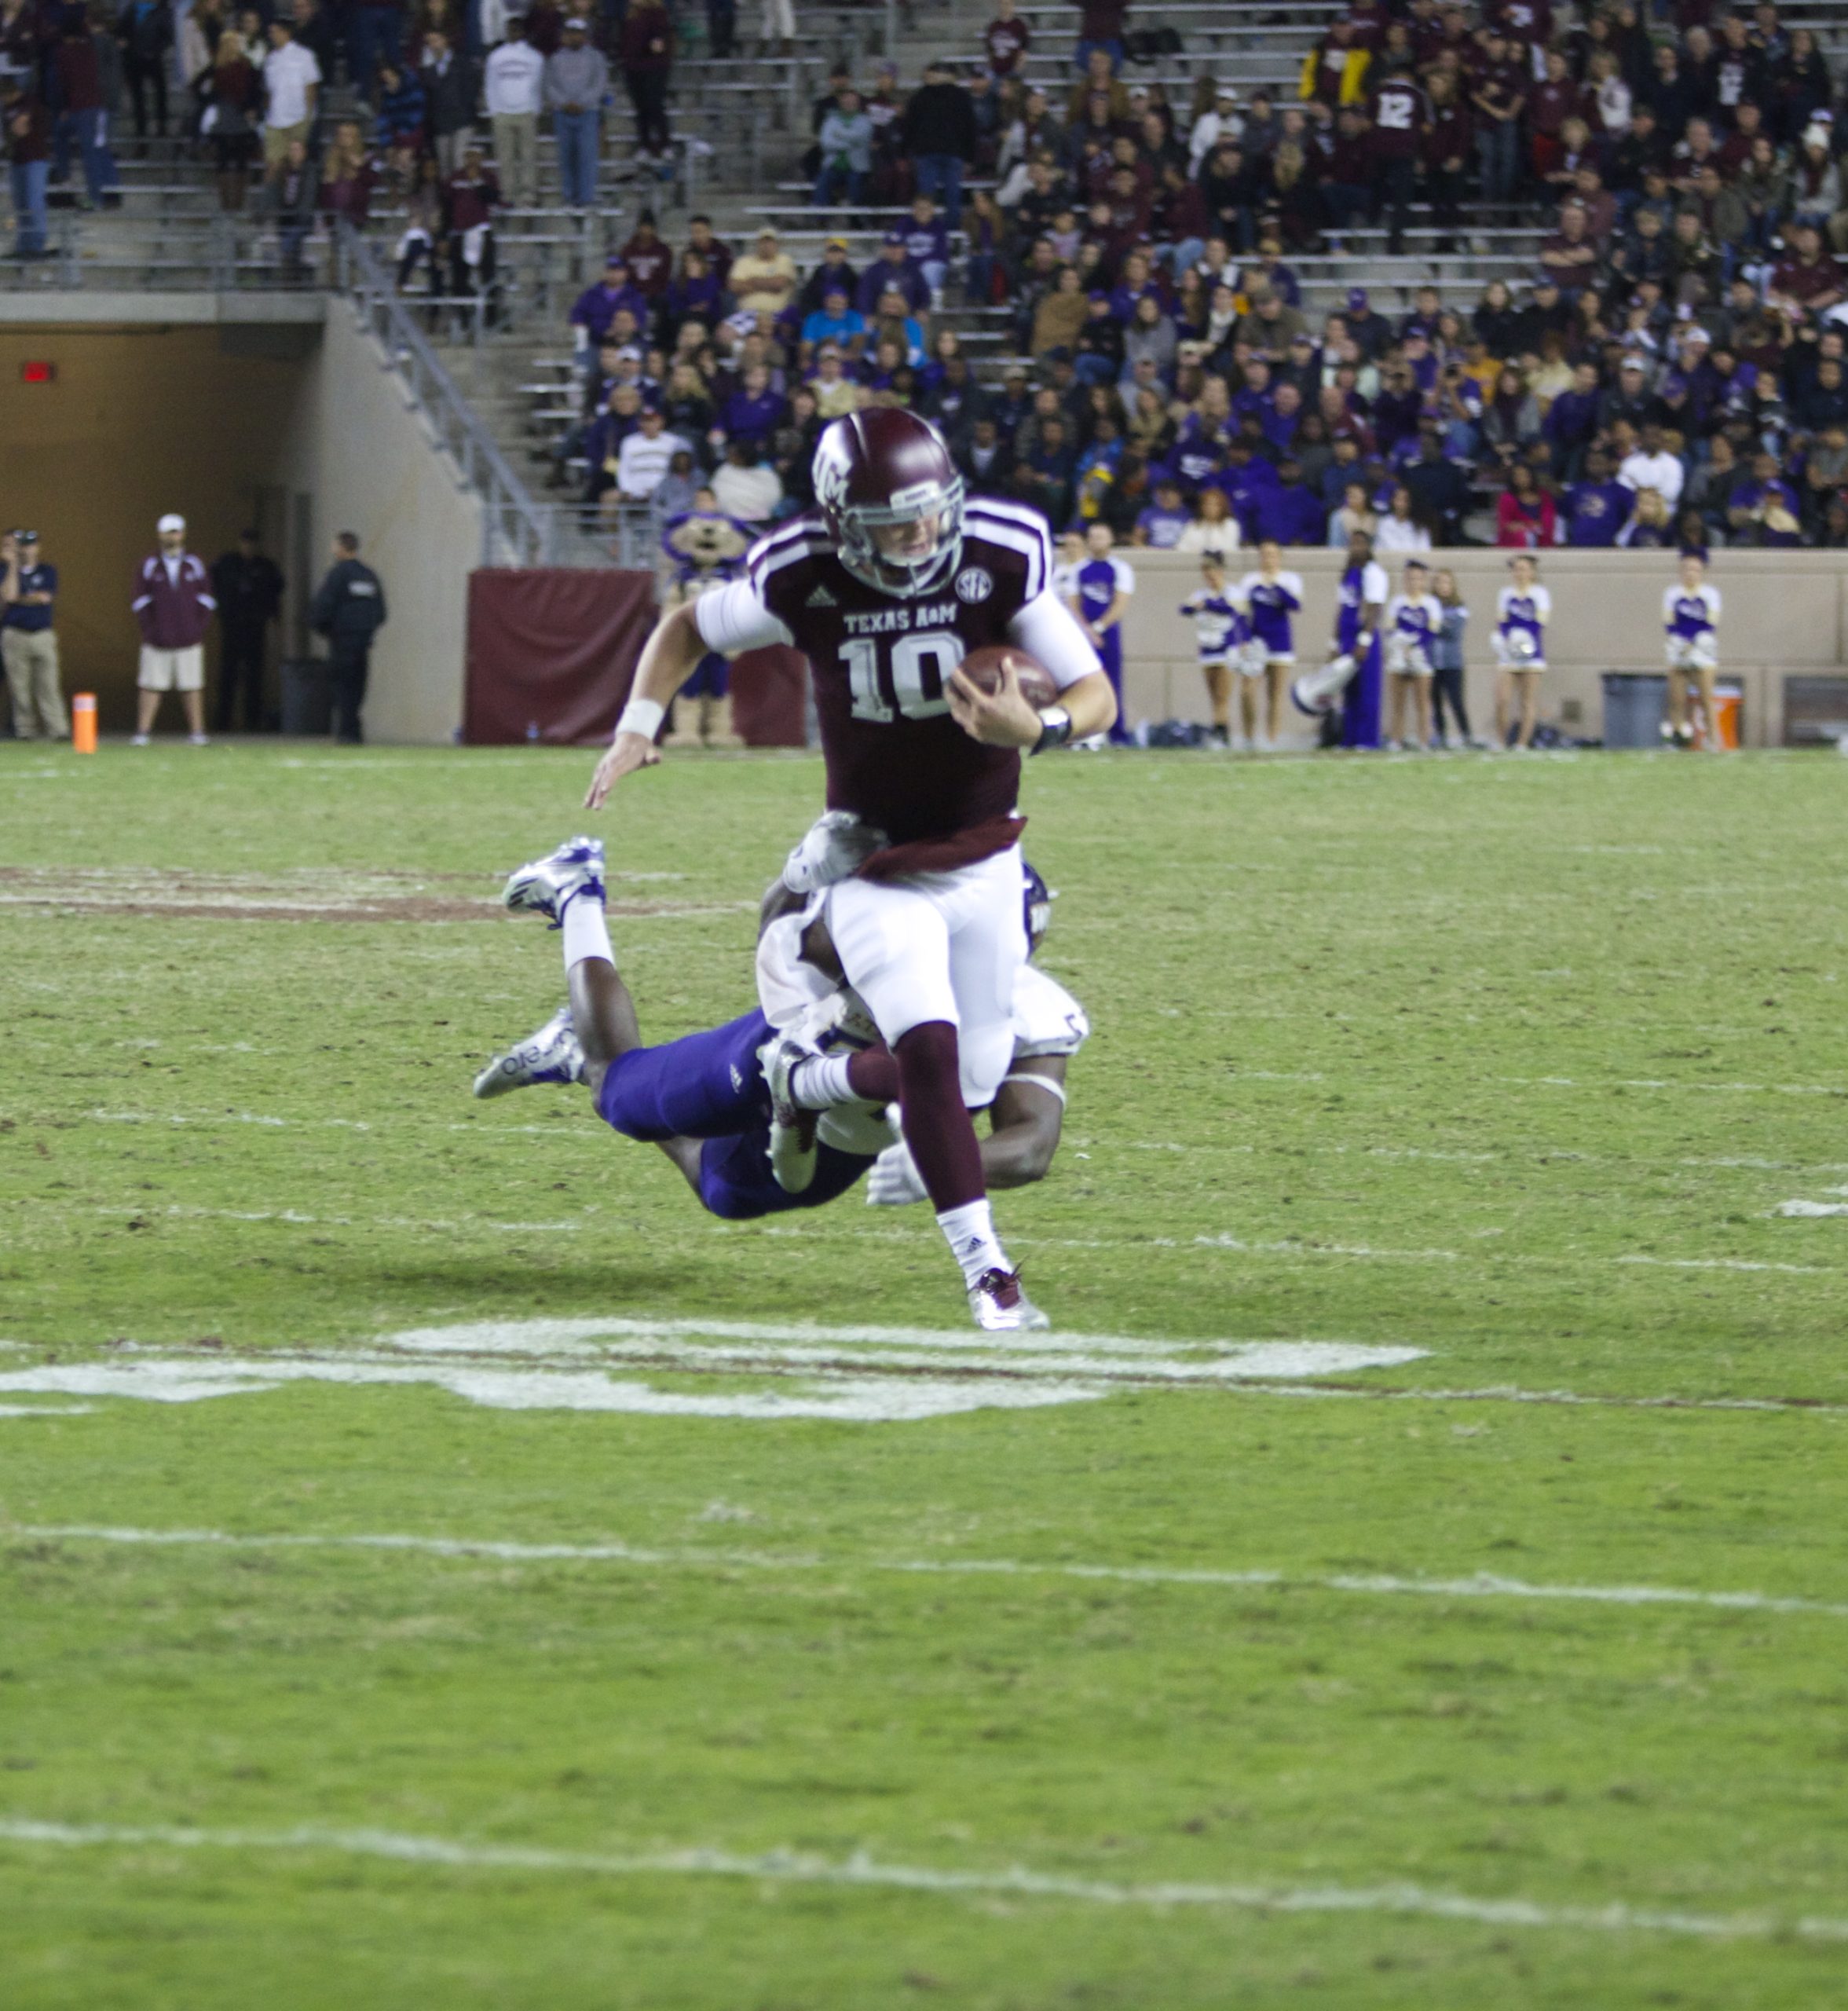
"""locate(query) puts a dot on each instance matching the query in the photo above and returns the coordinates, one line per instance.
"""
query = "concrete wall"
(140, 420)
(1785, 613)
(354, 445)
(294, 423)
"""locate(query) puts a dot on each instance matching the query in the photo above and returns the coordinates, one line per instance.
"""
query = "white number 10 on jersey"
(920, 668)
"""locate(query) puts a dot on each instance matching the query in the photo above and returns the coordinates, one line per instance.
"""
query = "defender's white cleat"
(554, 1054)
(791, 1130)
(1001, 1307)
(544, 885)
(834, 847)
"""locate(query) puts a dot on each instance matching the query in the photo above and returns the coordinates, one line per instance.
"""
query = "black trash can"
(1636, 702)
(307, 697)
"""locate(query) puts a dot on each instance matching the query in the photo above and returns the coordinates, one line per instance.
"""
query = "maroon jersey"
(1007, 43)
(880, 663)
(1398, 112)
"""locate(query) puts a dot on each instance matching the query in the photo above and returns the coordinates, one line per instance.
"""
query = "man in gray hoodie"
(577, 80)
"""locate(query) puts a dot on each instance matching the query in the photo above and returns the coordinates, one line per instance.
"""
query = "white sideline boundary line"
(1018, 1882)
(1476, 1585)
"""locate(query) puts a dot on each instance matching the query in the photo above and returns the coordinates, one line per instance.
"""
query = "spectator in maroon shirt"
(82, 118)
(1399, 113)
(713, 249)
(645, 52)
(650, 262)
(1446, 147)
(1499, 97)
(1809, 280)
(1348, 186)
(347, 177)
(1551, 102)
(1569, 254)
(1007, 38)
(27, 126)
(1100, 26)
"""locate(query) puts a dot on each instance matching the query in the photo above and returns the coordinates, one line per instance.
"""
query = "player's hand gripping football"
(626, 752)
(1000, 719)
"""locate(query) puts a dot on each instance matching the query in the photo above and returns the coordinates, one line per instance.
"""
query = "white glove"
(834, 847)
(894, 1179)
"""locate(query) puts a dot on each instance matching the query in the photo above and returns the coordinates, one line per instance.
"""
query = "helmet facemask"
(906, 577)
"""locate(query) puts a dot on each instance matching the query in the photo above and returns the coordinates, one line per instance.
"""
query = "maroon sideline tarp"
(553, 647)
(768, 688)
(556, 648)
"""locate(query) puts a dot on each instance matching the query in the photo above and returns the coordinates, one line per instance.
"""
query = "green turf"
(1511, 1061)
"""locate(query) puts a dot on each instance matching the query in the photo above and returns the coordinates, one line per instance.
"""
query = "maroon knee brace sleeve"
(937, 1126)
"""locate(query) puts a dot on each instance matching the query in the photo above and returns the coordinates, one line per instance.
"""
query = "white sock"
(587, 933)
(969, 1231)
(821, 1082)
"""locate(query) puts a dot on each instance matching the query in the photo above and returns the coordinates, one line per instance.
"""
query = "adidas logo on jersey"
(821, 598)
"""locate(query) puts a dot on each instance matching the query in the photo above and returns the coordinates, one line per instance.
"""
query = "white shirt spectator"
(748, 494)
(289, 73)
(1222, 539)
(513, 79)
(1210, 128)
(1400, 534)
(1662, 472)
(642, 462)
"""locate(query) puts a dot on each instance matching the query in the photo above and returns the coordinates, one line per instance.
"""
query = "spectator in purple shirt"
(926, 243)
(1290, 511)
(753, 412)
(1764, 510)
(595, 308)
(893, 267)
(1571, 420)
(1160, 524)
(1597, 508)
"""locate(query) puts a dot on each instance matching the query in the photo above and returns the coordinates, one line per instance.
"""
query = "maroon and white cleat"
(1001, 1307)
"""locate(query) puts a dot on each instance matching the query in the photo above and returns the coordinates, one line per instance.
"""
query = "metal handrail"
(515, 529)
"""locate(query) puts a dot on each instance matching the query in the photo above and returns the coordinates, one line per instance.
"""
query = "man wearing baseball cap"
(576, 81)
(28, 643)
(174, 603)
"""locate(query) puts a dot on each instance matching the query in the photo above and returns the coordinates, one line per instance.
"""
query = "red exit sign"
(38, 373)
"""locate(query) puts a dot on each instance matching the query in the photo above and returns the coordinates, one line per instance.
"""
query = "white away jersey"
(1691, 614)
(1047, 1019)
(1531, 611)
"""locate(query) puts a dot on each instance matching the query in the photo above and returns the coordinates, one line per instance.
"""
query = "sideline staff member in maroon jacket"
(174, 605)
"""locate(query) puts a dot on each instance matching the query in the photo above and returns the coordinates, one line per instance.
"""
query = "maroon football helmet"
(887, 466)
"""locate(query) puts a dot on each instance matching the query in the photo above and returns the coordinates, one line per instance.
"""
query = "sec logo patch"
(973, 583)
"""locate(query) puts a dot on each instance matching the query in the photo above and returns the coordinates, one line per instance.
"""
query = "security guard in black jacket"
(349, 609)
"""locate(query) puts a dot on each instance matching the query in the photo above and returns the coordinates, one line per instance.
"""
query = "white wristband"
(641, 716)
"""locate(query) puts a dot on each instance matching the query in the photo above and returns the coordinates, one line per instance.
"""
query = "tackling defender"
(886, 588)
(800, 1065)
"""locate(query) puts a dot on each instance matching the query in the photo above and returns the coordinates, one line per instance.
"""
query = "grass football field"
(439, 1567)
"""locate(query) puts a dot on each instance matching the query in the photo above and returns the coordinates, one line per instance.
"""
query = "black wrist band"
(1055, 729)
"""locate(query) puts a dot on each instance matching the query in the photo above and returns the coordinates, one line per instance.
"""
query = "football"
(983, 667)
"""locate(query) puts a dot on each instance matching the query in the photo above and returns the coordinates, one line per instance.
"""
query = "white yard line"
(796, 1868)
(1475, 1585)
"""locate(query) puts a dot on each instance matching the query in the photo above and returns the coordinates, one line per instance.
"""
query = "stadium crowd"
(1668, 369)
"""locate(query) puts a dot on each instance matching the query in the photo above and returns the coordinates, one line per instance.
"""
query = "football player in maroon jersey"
(886, 588)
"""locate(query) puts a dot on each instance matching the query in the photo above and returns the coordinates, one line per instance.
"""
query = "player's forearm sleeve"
(1045, 628)
(734, 617)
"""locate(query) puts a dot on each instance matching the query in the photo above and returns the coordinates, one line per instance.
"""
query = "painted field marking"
(1017, 1882)
(1474, 1585)
(1811, 1210)
(854, 1374)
